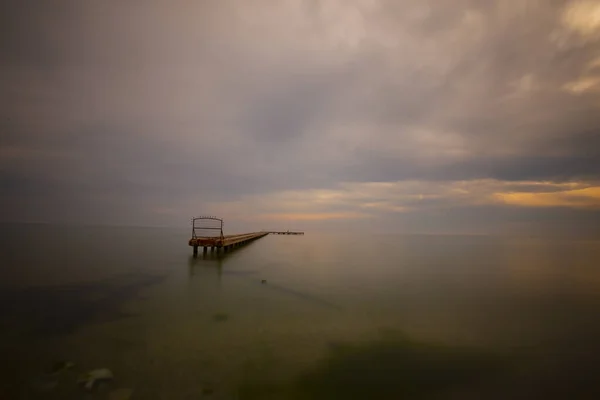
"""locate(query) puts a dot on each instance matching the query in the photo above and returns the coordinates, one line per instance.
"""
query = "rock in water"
(60, 366)
(93, 378)
(220, 317)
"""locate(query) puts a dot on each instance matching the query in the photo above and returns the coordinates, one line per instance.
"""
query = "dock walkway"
(202, 226)
(226, 243)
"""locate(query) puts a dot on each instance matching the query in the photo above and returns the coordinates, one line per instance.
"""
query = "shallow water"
(340, 316)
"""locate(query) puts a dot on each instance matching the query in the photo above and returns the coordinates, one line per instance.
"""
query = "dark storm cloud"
(551, 133)
(36, 33)
(145, 106)
(530, 167)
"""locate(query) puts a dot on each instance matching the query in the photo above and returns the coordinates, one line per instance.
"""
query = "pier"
(204, 235)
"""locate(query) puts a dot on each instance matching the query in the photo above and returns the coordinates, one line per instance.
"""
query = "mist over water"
(339, 316)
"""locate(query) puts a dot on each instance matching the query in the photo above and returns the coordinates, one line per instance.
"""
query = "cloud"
(313, 109)
(309, 217)
(361, 199)
(588, 197)
(583, 17)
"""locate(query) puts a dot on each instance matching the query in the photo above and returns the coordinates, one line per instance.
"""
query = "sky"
(408, 116)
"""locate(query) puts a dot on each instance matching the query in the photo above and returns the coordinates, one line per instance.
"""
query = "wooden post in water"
(195, 250)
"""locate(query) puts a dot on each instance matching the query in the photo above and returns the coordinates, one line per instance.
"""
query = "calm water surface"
(374, 316)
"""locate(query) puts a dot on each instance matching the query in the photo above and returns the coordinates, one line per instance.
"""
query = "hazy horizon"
(338, 232)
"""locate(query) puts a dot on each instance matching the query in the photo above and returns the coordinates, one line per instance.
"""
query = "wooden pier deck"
(224, 242)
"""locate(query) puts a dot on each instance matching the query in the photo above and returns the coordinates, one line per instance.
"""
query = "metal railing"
(202, 223)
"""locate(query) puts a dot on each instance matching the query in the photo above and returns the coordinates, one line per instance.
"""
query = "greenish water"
(340, 316)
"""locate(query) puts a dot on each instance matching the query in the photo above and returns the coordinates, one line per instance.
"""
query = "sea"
(317, 316)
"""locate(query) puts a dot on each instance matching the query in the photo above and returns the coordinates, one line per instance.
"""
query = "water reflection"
(210, 260)
(214, 259)
(211, 321)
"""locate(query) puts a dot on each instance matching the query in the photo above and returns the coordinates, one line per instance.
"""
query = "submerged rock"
(60, 366)
(92, 379)
(220, 317)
